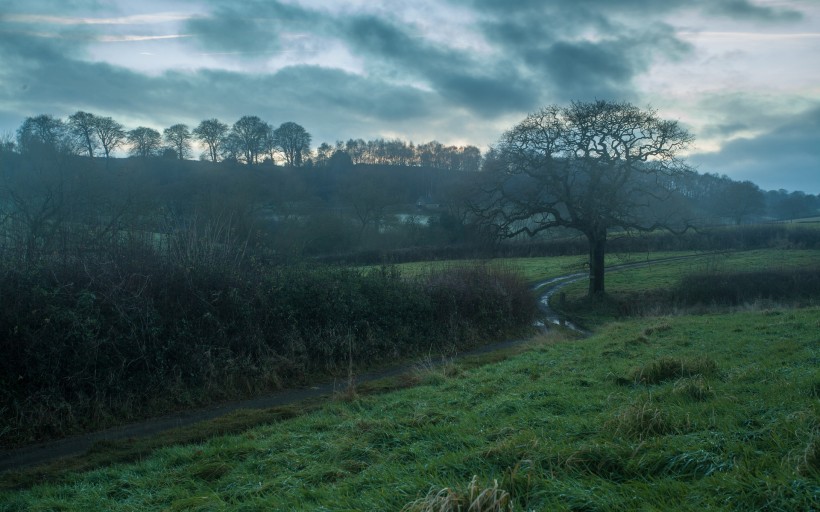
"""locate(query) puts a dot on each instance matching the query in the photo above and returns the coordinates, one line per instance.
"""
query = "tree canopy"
(591, 167)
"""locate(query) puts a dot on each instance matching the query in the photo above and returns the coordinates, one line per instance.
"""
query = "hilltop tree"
(212, 132)
(110, 134)
(248, 134)
(293, 141)
(82, 126)
(590, 167)
(144, 142)
(43, 134)
(178, 137)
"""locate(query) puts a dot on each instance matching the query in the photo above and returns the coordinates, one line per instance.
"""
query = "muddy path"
(33, 455)
(549, 288)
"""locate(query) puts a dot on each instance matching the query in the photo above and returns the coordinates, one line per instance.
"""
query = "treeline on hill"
(250, 140)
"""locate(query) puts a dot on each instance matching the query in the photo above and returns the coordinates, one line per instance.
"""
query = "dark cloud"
(743, 9)
(249, 27)
(786, 157)
(487, 88)
(595, 10)
(330, 102)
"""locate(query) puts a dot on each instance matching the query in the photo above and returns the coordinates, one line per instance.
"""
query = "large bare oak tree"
(592, 167)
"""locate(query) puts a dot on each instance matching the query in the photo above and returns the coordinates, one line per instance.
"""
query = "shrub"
(739, 287)
(474, 499)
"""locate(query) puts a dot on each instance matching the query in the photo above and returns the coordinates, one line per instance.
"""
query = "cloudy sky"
(742, 75)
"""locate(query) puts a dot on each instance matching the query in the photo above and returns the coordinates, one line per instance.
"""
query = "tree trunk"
(597, 249)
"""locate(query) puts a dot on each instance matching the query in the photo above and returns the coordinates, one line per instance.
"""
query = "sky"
(743, 76)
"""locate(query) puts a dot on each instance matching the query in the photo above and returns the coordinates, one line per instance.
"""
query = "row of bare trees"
(249, 140)
(398, 152)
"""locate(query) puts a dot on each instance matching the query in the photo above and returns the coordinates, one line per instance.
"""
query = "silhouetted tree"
(212, 132)
(43, 134)
(589, 167)
(144, 142)
(110, 134)
(323, 154)
(7, 144)
(293, 141)
(248, 134)
(82, 126)
(178, 137)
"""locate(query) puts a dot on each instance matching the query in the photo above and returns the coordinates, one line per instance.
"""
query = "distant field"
(536, 269)
(667, 274)
(686, 413)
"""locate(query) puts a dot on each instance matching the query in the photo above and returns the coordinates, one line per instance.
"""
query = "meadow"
(714, 410)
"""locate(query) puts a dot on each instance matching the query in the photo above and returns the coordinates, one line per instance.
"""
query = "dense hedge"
(762, 236)
(741, 287)
(88, 345)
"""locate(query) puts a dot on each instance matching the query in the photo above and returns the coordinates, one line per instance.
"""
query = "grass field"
(685, 413)
(536, 269)
(667, 274)
(642, 288)
(715, 411)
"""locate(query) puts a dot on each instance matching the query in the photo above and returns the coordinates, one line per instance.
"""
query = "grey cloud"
(786, 157)
(249, 27)
(487, 88)
(51, 6)
(330, 101)
(592, 9)
(393, 52)
(744, 9)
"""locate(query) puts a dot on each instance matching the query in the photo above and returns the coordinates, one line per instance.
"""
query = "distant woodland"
(276, 191)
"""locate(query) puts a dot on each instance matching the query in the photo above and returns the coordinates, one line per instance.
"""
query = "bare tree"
(110, 134)
(43, 134)
(323, 154)
(82, 126)
(144, 141)
(590, 167)
(212, 133)
(294, 143)
(248, 134)
(178, 137)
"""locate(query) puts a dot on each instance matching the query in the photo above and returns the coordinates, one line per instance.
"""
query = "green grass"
(685, 413)
(630, 286)
(535, 269)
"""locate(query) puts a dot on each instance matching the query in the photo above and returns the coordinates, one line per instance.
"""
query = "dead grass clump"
(641, 421)
(649, 331)
(473, 499)
(809, 462)
(696, 388)
(672, 368)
